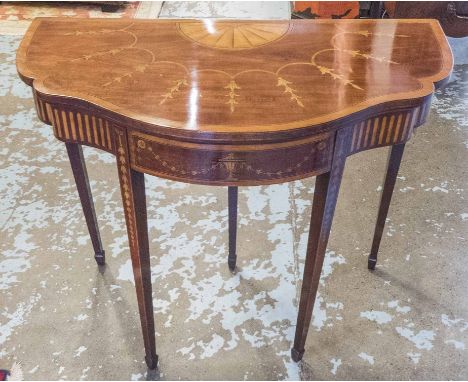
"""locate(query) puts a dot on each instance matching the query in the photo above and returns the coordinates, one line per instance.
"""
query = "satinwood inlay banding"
(68, 126)
(80, 126)
(72, 125)
(385, 130)
(88, 129)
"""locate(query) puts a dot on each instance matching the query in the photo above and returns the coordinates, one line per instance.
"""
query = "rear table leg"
(75, 153)
(394, 160)
(232, 202)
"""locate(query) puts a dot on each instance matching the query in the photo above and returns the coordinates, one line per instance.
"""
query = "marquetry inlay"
(387, 129)
(158, 156)
(40, 108)
(232, 35)
(223, 75)
(229, 35)
(122, 159)
(232, 163)
(79, 127)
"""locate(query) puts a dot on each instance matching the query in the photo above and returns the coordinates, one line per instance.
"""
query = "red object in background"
(327, 9)
(4, 374)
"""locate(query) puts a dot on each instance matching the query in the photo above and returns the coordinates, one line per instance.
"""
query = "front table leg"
(327, 187)
(132, 185)
(393, 165)
(75, 154)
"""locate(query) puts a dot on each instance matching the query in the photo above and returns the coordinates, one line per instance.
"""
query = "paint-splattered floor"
(65, 320)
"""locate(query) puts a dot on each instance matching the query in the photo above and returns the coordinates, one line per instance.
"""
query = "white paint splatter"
(450, 322)
(81, 317)
(423, 339)
(186, 350)
(18, 317)
(319, 314)
(377, 316)
(458, 344)
(335, 305)
(212, 347)
(84, 373)
(437, 189)
(10, 267)
(80, 350)
(336, 364)
(331, 258)
(126, 272)
(415, 357)
(367, 357)
(400, 309)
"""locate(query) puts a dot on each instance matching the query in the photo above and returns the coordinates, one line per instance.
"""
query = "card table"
(232, 103)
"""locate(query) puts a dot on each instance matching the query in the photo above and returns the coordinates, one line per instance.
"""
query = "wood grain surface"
(209, 76)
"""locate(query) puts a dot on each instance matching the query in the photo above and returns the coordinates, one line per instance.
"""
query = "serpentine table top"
(209, 77)
(232, 103)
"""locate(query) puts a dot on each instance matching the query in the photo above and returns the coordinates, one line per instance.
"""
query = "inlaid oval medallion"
(232, 35)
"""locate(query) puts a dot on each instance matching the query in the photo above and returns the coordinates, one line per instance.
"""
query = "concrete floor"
(63, 319)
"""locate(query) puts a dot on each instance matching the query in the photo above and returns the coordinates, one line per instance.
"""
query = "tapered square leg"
(232, 207)
(393, 165)
(327, 187)
(132, 185)
(75, 154)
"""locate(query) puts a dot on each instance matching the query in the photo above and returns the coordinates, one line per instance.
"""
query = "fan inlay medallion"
(232, 35)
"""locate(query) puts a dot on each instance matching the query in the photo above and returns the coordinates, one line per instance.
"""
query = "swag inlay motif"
(233, 36)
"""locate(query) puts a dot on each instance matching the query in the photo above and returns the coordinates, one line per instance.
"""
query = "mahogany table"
(232, 103)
